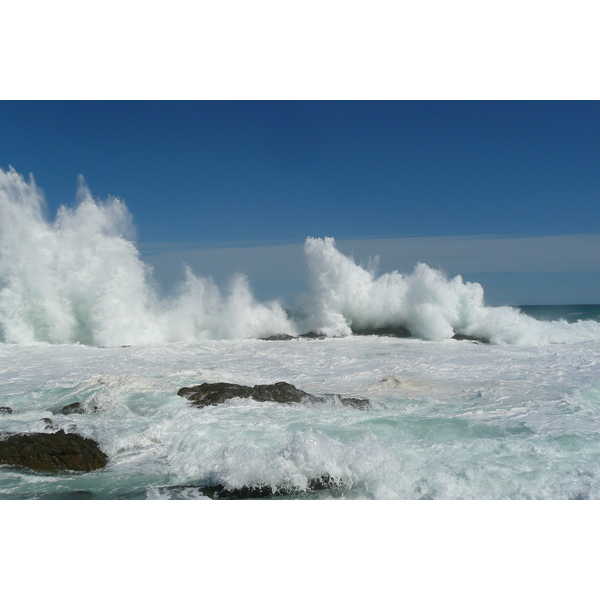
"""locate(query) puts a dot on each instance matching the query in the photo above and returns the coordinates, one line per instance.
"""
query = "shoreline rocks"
(211, 394)
(396, 332)
(52, 452)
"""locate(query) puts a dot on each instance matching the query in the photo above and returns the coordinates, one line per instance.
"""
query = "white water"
(427, 303)
(450, 419)
(80, 278)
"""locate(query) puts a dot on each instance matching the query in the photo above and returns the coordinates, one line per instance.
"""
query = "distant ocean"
(465, 401)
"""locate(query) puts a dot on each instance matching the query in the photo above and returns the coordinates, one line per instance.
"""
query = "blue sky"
(231, 186)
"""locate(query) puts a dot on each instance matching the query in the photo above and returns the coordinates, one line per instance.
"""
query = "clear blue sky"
(225, 173)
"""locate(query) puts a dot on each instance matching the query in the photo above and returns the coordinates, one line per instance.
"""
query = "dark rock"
(7, 410)
(208, 394)
(77, 408)
(246, 492)
(217, 393)
(279, 337)
(70, 409)
(312, 335)
(49, 423)
(360, 403)
(398, 331)
(470, 338)
(52, 452)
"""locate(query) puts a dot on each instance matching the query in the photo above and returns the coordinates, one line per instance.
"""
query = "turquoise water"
(449, 420)
(569, 312)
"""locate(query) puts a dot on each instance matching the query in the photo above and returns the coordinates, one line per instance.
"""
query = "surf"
(79, 278)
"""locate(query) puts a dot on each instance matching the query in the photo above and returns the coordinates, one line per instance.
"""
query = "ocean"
(466, 401)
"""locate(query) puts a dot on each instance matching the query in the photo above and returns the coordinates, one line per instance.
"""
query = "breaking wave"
(426, 304)
(80, 278)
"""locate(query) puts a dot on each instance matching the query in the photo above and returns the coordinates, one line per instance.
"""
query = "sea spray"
(346, 297)
(81, 279)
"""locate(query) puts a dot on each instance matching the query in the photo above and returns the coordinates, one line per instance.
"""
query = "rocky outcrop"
(51, 452)
(7, 410)
(208, 394)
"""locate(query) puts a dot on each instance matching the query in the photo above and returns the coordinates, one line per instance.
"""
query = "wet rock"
(70, 409)
(360, 403)
(398, 331)
(77, 408)
(246, 492)
(312, 335)
(216, 393)
(52, 452)
(280, 337)
(7, 410)
(282, 392)
(470, 338)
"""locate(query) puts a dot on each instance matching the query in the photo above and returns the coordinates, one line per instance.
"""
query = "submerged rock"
(7, 410)
(248, 492)
(279, 337)
(208, 394)
(77, 408)
(360, 403)
(52, 452)
(70, 409)
(470, 338)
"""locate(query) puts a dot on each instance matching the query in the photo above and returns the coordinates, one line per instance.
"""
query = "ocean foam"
(81, 279)
(347, 297)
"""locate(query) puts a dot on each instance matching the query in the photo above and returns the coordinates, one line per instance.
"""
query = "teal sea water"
(570, 313)
(449, 419)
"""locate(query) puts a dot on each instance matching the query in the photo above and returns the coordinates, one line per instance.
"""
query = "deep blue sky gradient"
(228, 172)
(208, 173)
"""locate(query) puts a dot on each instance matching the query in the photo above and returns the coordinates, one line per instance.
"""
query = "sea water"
(510, 412)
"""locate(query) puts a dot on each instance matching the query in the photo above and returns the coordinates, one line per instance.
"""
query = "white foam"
(80, 279)
(346, 296)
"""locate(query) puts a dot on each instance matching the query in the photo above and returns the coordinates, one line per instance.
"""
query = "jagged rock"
(208, 394)
(312, 335)
(279, 337)
(52, 452)
(70, 409)
(217, 393)
(7, 410)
